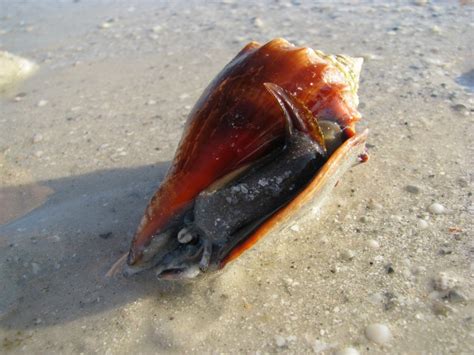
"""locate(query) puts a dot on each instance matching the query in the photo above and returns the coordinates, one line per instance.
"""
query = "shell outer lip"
(350, 153)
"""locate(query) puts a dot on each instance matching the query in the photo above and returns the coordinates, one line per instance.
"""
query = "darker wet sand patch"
(17, 201)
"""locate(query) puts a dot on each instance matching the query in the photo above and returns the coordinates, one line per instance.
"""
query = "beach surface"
(386, 266)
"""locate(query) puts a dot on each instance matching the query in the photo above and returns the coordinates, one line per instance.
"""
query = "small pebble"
(390, 301)
(441, 309)
(42, 103)
(436, 29)
(436, 208)
(373, 244)
(389, 268)
(239, 39)
(320, 346)
(420, 2)
(445, 251)
(295, 228)
(156, 28)
(347, 351)
(20, 96)
(106, 235)
(37, 138)
(460, 108)
(35, 268)
(462, 182)
(456, 296)
(371, 56)
(107, 24)
(374, 205)
(378, 333)
(407, 274)
(422, 224)
(412, 189)
(151, 102)
(280, 341)
(445, 281)
(258, 22)
(418, 270)
(348, 255)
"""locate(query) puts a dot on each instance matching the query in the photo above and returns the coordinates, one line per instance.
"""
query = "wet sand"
(86, 141)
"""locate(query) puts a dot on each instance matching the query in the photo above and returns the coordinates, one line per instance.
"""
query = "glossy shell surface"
(237, 121)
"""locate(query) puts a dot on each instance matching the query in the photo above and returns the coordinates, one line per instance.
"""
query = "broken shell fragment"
(272, 133)
(184, 236)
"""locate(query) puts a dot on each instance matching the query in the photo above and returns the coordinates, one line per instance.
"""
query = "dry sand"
(90, 136)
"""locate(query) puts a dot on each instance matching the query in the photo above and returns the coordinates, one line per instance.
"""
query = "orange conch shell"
(236, 121)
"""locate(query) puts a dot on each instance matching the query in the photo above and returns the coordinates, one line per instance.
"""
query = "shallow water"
(116, 81)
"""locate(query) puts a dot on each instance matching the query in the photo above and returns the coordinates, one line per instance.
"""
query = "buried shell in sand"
(271, 134)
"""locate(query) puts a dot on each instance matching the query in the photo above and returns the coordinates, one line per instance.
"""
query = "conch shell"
(275, 109)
